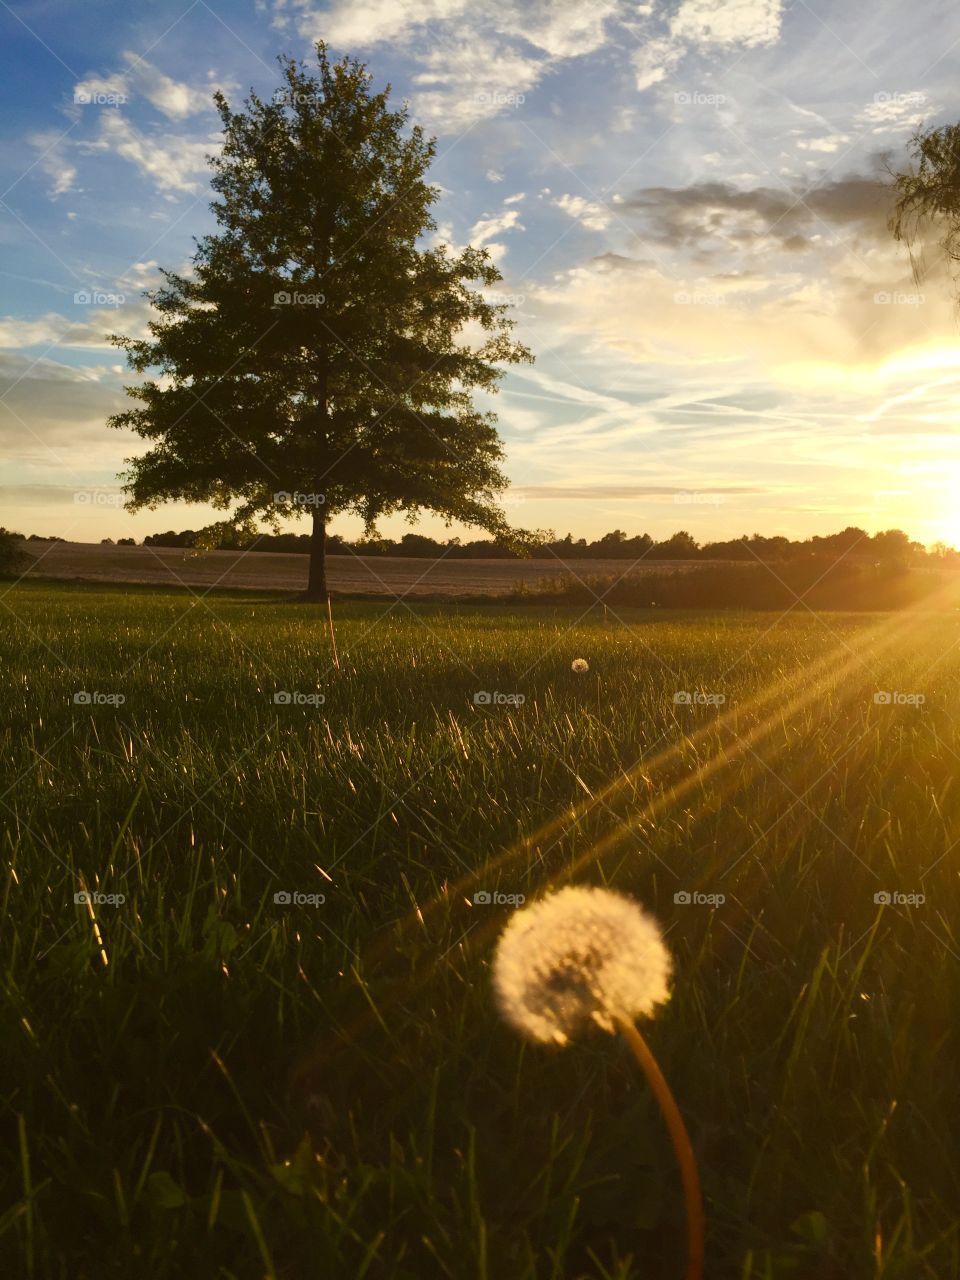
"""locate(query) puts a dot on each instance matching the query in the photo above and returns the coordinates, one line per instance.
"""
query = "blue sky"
(688, 202)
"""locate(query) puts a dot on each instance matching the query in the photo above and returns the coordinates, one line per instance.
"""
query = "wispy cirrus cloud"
(172, 162)
(54, 161)
(175, 99)
(472, 61)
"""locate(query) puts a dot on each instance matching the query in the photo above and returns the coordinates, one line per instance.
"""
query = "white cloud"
(828, 143)
(471, 79)
(706, 24)
(349, 25)
(174, 98)
(138, 276)
(87, 328)
(475, 58)
(15, 332)
(727, 22)
(588, 213)
(54, 163)
(93, 88)
(486, 228)
(561, 28)
(497, 252)
(896, 112)
(655, 60)
(444, 234)
(173, 163)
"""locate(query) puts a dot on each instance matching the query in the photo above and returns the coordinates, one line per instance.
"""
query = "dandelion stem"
(333, 638)
(681, 1145)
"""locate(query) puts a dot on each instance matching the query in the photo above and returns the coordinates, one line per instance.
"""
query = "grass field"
(201, 1081)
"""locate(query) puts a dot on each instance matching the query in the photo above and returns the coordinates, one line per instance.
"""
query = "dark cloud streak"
(683, 217)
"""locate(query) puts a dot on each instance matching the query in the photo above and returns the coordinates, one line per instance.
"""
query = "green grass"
(210, 1084)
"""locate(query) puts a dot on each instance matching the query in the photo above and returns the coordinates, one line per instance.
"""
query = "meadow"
(201, 1078)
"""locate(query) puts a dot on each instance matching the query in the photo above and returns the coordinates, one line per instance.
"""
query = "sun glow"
(935, 505)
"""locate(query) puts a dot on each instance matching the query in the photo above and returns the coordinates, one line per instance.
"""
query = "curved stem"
(681, 1145)
(333, 638)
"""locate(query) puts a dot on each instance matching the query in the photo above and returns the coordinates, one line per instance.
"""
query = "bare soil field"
(266, 570)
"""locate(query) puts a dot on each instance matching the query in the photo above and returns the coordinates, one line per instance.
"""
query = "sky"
(689, 203)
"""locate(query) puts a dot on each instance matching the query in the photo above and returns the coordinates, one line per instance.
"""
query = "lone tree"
(321, 356)
(928, 195)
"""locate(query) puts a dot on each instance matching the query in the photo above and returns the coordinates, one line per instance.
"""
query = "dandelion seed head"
(580, 665)
(580, 956)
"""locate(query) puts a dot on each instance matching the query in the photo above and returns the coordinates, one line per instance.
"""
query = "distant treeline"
(821, 582)
(891, 546)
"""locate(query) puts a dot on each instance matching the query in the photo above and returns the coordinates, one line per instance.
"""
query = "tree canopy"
(928, 195)
(323, 354)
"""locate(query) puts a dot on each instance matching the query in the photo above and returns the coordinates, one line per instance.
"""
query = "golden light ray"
(815, 680)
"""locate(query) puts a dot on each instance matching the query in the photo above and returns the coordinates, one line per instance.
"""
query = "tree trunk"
(317, 580)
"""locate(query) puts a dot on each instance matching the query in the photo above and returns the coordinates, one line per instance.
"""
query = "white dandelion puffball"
(580, 955)
(579, 665)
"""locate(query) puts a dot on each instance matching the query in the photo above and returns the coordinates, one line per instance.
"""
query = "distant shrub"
(13, 558)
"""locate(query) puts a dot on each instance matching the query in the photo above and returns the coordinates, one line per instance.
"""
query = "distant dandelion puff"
(581, 955)
(579, 665)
